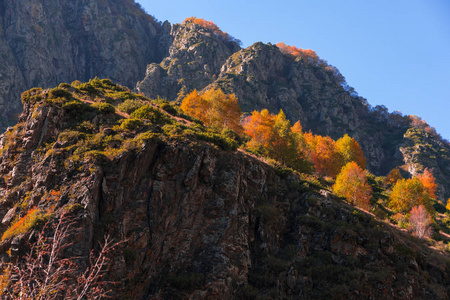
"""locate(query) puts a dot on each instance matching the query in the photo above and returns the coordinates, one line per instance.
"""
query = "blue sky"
(395, 53)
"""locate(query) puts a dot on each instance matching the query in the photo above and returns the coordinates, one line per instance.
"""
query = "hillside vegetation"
(173, 195)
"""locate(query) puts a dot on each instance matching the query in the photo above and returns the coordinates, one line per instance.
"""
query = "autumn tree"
(350, 150)
(259, 127)
(214, 108)
(352, 184)
(408, 193)
(273, 136)
(420, 222)
(212, 27)
(448, 204)
(429, 183)
(393, 176)
(306, 54)
(326, 158)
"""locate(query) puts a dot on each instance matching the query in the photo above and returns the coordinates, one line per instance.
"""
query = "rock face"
(199, 222)
(195, 58)
(44, 43)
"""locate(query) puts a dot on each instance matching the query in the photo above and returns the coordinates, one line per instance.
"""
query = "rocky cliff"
(196, 221)
(44, 43)
(196, 56)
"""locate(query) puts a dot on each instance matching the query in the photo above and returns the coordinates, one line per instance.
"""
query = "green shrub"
(231, 134)
(108, 83)
(64, 85)
(59, 93)
(172, 129)
(104, 108)
(88, 88)
(131, 124)
(32, 96)
(129, 106)
(70, 136)
(223, 142)
(76, 108)
(169, 108)
(150, 113)
(146, 136)
(95, 155)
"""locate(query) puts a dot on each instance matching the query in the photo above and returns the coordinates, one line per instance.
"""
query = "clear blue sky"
(393, 52)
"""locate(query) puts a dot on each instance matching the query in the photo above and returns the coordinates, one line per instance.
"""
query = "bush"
(150, 113)
(169, 108)
(75, 108)
(64, 85)
(70, 136)
(31, 96)
(59, 93)
(131, 124)
(104, 108)
(129, 106)
(224, 143)
(88, 88)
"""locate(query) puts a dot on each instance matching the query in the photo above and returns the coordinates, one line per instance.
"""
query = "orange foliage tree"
(350, 150)
(408, 193)
(352, 184)
(306, 54)
(428, 182)
(259, 127)
(212, 27)
(323, 152)
(214, 108)
(393, 176)
(274, 136)
(420, 222)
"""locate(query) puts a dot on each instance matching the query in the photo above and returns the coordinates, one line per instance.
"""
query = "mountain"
(44, 43)
(195, 219)
(306, 88)
(108, 191)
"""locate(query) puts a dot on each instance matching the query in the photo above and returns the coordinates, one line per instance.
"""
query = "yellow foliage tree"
(408, 193)
(350, 150)
(352, 184)
(214, 108)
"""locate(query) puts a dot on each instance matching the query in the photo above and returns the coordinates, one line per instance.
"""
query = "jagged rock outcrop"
(196, 221)
(424, 148)
(44, 43)
(195, 58)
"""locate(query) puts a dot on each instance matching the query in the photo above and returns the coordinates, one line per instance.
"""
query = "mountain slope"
(44, 43)
(306, 88)
(195, 221)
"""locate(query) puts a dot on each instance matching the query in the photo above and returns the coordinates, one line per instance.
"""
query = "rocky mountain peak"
(195, 58)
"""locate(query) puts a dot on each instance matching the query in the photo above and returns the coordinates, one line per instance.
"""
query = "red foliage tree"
(429, 182)
(420, 222)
